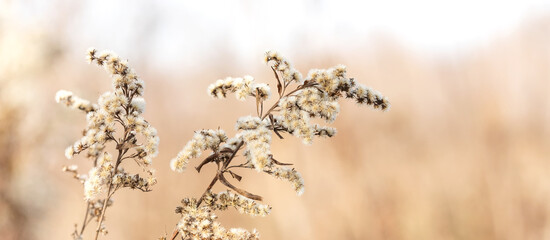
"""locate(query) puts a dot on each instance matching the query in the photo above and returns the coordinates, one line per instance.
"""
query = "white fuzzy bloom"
(67, 98)
(327, 81)
(113, 108)
(62, 95)
(202, 140)
(138, 104)
(262, 90)
(118, 178)
(258, 146)
(112, 103)
(92, 185)
(291, 175)
(242, 87)
(247, 123)
(151, 180)
(98, 177)
(283, 66)
(200, 223)
(242, 204)
(248, 80)
(318, 104)
(296, 120)
(271, 55)
(123, 76)
(90, 54)
(241, 234)
(152, 142)
(368, 96)
(339, 71)
(72, 167)
(232, 143)
(324, 131)
(69, 152)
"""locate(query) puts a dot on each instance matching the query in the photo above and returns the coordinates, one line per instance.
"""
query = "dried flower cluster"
(242, 87)
(316, 96)
(123, 107)
(199, 223)
(227, 199)
(116, 118)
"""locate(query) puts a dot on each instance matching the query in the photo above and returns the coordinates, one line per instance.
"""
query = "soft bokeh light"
(464, 153)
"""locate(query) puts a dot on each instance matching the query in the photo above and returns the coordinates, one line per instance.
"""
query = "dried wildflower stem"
(85, 222)
(300, 87)
(109, 194)
(175, 234)
(123, 106)
(210, 186)
(314, 97)
(103, 210)
(219, 173)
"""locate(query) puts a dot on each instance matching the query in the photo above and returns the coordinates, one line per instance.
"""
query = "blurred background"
(464, 152)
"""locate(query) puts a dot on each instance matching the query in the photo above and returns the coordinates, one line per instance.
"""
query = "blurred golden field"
(464, 152)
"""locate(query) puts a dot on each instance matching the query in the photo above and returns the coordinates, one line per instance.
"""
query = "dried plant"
(315, 96)
(115, 118)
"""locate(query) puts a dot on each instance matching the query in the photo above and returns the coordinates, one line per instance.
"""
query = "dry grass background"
(464, 153)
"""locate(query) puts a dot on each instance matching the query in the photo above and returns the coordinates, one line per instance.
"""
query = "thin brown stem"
(103, 210)
(175, 234)
(271, 109)
(239, 166)
(220, 170)
(109, 194)
(225, 166)
(85, 222)
(226, 163)
(212, 183)
(89, 220)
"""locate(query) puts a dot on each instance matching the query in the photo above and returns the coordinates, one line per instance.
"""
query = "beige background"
(464, 152)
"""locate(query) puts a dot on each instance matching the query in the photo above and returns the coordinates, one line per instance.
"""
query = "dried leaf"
(238, 190)
(280, 163)
(207, 160)
(258, 100)
(261, 108)
(279, 86)
(235, 176)
(126, 145)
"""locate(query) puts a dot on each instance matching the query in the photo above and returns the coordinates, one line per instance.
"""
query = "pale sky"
(170, 29)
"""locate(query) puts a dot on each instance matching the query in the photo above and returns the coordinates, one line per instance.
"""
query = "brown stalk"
(279, 86)
(224, 168)
(109, 194)
(120, 157)
(84, 223)
(213, 182)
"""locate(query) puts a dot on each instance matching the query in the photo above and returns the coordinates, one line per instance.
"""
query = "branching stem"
(85, 222)
(121, 153)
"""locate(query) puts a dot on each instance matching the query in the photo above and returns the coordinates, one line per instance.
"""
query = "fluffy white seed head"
(242, 87)
(138, 104)
(69, 152)
(113, 108)
(70, 100)
(202, 140)
(258, 143)
(291, 175)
